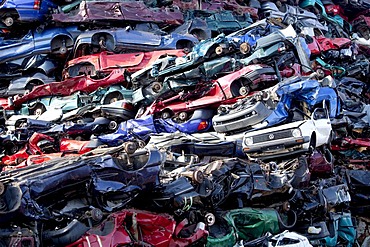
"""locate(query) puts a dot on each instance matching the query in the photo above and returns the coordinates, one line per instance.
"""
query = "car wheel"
(210, 219)
(165, 114)
(96, 214)
(63, 48)
(112, 125)
(8, 21)
(183, 116)
(39, 111)
(245, 90)
(141, 144)
(130, 147)
(219, 50)
(157, 87)
(245, 48)
(113, 97)
(198, 177)
(102, 43)
(30, 86)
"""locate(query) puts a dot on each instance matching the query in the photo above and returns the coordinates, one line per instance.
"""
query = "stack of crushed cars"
(184, 123)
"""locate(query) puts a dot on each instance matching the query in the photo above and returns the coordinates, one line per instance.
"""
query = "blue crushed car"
(13, 11)
(142, 128)
(126, 40)
(53, 40)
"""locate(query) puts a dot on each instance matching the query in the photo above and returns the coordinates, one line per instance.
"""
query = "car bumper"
(278, 148)
(242, 119)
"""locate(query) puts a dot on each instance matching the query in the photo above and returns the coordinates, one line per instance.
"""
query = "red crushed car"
(224, 90)
(34, 147)
(148, 229)
(67, 87)
(106, 62)
(321, 44)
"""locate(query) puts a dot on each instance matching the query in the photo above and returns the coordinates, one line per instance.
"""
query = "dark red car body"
(217, 5)
(321, 163)
(92, 11)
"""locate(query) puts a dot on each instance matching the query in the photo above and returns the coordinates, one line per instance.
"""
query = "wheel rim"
(8, 21)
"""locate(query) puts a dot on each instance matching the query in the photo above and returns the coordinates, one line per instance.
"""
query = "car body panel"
(116, 11)
(242, 116)
(292, 14)
(321, 44)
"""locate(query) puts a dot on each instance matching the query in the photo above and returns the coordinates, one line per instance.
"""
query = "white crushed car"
(290, 138)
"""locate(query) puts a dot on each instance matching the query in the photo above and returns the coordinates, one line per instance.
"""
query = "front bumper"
(278, 148)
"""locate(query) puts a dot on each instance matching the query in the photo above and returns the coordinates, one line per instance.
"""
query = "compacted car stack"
(184, 123)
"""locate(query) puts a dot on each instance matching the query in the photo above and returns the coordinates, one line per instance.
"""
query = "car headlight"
(296, 133)
(248, 140)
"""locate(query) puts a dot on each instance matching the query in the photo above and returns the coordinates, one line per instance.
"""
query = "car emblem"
(271, 136)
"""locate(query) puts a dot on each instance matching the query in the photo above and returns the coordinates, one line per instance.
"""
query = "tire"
(38, 109)
(113, 125)
(8, 21)
(30, 86)
(112, 97)
(130, 147)
(183, 116)
(244, 90)
(166, 114)
(64, 236)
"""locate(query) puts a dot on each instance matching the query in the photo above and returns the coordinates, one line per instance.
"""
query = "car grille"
(234, 119)
(273, 136)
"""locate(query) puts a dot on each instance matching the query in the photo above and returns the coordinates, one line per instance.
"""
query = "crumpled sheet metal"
(137, 227)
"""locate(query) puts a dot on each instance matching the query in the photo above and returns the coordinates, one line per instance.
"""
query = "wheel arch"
(57, 42)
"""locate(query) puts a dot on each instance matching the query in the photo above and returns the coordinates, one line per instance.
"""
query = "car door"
(321, 120)
(11, 49)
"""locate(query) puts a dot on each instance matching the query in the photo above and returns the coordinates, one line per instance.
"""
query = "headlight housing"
(296, 133)
(248, 140)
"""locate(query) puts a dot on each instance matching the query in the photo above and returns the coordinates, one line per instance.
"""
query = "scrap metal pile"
(184, 122)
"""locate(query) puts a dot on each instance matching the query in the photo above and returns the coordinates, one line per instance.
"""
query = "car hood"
(277, 128)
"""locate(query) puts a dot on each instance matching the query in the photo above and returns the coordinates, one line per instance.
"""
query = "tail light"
(127, 106)
(37, 4)
(281, 49)
(202, 125)
(332, 9)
